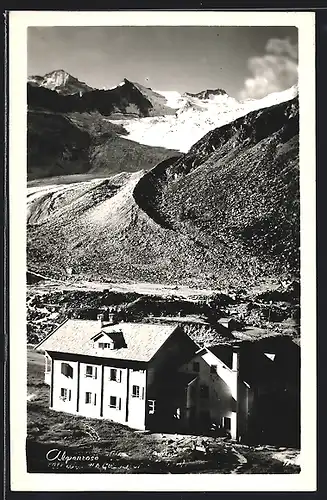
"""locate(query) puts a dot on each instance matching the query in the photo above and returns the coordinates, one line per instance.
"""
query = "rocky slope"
(236, 194)
(60, 144)
(226, 214)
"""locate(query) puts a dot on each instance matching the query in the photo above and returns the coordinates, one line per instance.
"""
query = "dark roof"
(224, 352)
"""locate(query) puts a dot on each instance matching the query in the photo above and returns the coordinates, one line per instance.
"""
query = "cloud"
(275, 71)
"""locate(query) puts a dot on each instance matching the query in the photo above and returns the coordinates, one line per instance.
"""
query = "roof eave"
(51, 333)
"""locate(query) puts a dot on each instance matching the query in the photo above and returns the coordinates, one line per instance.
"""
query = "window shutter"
(86, 398)
(95, 399)
(69, 395)
(142, 392)
(95, 372)
(119, 404)
(63, 368)
(119, 376)
(70, 371)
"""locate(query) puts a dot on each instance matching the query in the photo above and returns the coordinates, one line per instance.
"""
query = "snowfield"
(194, 118)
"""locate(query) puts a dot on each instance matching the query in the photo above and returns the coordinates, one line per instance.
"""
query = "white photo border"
(21, 480)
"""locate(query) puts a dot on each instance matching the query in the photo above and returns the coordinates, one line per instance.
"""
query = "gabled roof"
(225, 320)
(74, 336)
(115, 336)
(224, 353)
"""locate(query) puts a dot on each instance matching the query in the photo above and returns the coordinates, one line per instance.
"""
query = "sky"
(244, 61)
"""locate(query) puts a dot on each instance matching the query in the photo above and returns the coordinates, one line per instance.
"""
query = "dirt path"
(242, 461)
(141, 288)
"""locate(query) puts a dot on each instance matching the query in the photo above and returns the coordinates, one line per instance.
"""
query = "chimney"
(112, 318)
(236, 359)
(100, 318)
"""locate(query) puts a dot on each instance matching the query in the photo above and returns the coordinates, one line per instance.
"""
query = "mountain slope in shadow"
(61, 144)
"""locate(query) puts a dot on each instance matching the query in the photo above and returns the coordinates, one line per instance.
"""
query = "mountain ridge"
(146, 102)
(198, 220)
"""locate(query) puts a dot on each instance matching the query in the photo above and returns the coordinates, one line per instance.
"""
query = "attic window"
(109, 340)
(104, 345)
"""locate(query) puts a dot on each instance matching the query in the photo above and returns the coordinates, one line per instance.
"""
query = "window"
(88, 398)
(204, 391)
(151, 406)
(47, 364)
(104, 345)
(91, 371)
(196, 366)
(65, 394)
(135, 391)
(67, 370)
(213, 369)
(115, 402)
(227, 423)
(115, 375)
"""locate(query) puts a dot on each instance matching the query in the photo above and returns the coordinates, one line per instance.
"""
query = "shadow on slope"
(236, 193)
(81, 143)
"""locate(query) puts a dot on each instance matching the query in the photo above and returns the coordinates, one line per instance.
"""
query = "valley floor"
(114, 448)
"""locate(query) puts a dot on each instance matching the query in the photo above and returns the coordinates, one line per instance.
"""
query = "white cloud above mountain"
(274, 71)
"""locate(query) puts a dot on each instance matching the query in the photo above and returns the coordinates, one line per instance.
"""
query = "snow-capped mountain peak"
(60, 81)
(58, 77)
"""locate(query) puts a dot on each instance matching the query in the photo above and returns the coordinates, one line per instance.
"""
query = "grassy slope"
(80, 143)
